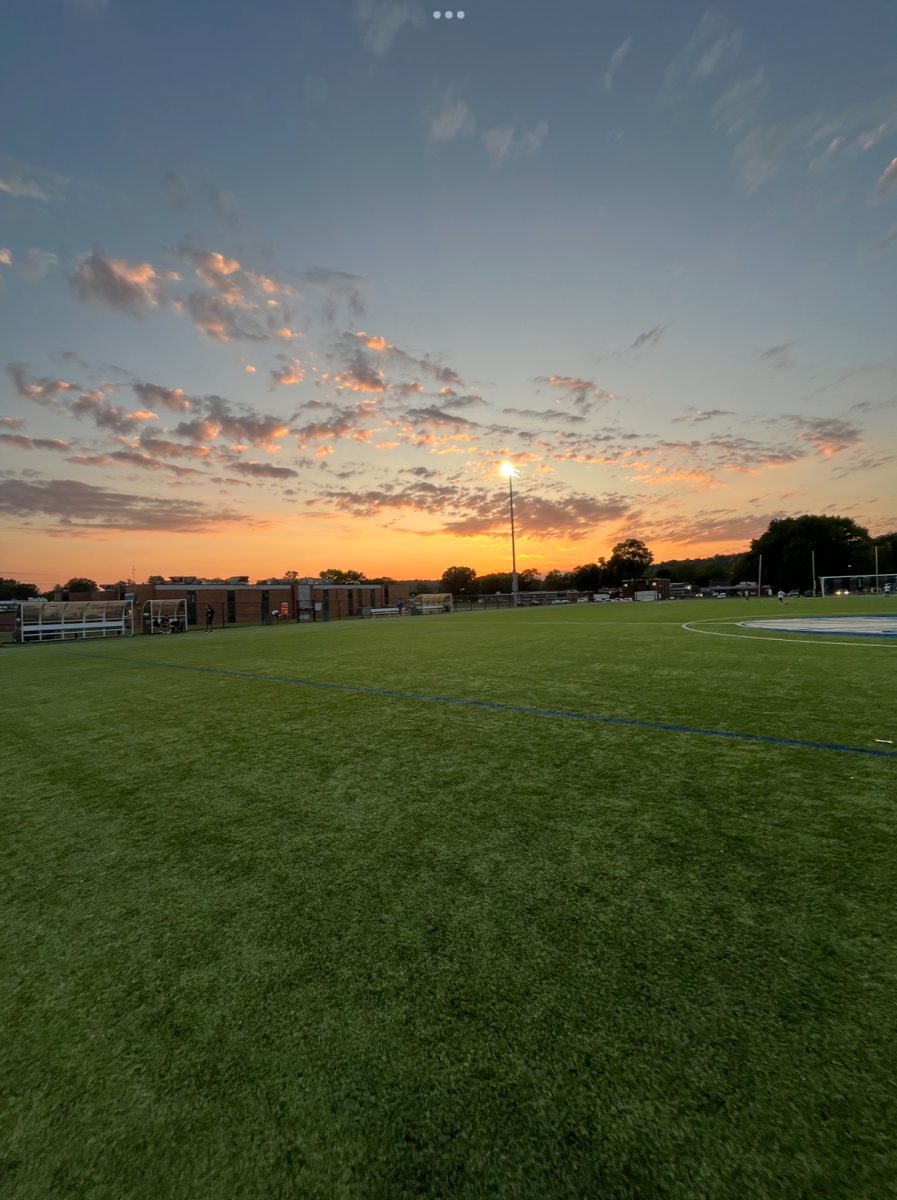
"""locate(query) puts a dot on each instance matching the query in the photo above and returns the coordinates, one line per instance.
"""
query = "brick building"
(239, 602)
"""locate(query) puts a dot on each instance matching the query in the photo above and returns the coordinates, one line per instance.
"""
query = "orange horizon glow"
(268, 553)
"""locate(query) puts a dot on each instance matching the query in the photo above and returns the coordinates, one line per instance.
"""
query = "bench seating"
(385, 612)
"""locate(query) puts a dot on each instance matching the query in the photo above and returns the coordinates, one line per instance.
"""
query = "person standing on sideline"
(401, 607)
(210, 618)
(780, 596)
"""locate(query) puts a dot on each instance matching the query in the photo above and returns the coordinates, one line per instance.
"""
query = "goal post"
(164, 616)
(858, 585)
(430, 605)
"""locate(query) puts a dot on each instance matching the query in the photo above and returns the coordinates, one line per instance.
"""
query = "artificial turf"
(267, 939)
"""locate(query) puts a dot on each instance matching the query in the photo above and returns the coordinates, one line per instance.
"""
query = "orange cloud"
(289, 375)
(268, 285)
(373, 342)
(134, 287)
(211, 267)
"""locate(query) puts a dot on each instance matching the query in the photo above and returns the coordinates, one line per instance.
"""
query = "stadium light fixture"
(508, 470)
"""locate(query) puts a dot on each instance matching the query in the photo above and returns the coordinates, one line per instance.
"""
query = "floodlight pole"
(876, 570)
(513, 547)
(813, 569)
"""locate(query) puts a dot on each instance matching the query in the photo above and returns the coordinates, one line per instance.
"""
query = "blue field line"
(525, 709)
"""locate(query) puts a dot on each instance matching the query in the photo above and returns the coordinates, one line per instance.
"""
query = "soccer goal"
(165, 616)
(425, 606)
(858, 585)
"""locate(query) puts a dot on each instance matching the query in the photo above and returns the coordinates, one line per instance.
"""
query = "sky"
(282, 284)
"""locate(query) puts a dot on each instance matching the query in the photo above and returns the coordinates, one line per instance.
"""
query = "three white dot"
(448, 15)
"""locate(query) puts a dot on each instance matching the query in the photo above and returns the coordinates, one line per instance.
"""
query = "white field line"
(792, 641)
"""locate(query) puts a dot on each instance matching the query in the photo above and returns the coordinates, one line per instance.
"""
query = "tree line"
(791, 547)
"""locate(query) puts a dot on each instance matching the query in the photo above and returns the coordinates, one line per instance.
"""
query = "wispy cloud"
(381, 21)
(454, 119)
(737, 108)
(502, 142)
(176, 191)
(29, 181)
(827, 435)
(34, 264)
(650, 338)
(155, 396)
(264, 470)
(696, 416)
(337, 286)
(887, 180)
(715, 43)
(823, 159)
(779, 356)
(22, 442)
(224, 204)
(15, 185)
(90, 508)
(584, 394)
(615, 61)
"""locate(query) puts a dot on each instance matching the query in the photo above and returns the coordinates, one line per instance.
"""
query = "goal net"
(165, 616)
(429, 605)
(858, 585)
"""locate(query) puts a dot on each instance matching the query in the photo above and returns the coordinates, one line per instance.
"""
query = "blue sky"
(282, 283)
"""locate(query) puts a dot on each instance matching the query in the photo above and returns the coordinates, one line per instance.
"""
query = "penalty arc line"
(523, 709)
(689, 627)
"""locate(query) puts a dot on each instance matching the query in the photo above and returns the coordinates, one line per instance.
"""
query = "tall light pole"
(509, 471)
(813, 569)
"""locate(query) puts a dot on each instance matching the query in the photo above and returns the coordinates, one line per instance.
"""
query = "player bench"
(385, 612)
(30, 628)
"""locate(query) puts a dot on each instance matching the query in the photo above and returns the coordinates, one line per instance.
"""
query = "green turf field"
(268, 939)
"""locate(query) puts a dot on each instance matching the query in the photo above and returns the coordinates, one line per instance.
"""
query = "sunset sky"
(283, 281)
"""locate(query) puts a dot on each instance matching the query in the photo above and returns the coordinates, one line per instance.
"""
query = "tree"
(12, 589)
(791, 545)
(156, 579)
(458, 580)
(529, 580)
(699, 571)
(629, 560)
(292, 576)
(497, 581)
(589, 577)
(558, 581)
(887, 553)
(333, 575)
(79, 584)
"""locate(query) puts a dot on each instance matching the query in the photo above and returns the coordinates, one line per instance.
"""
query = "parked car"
(794, 595)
